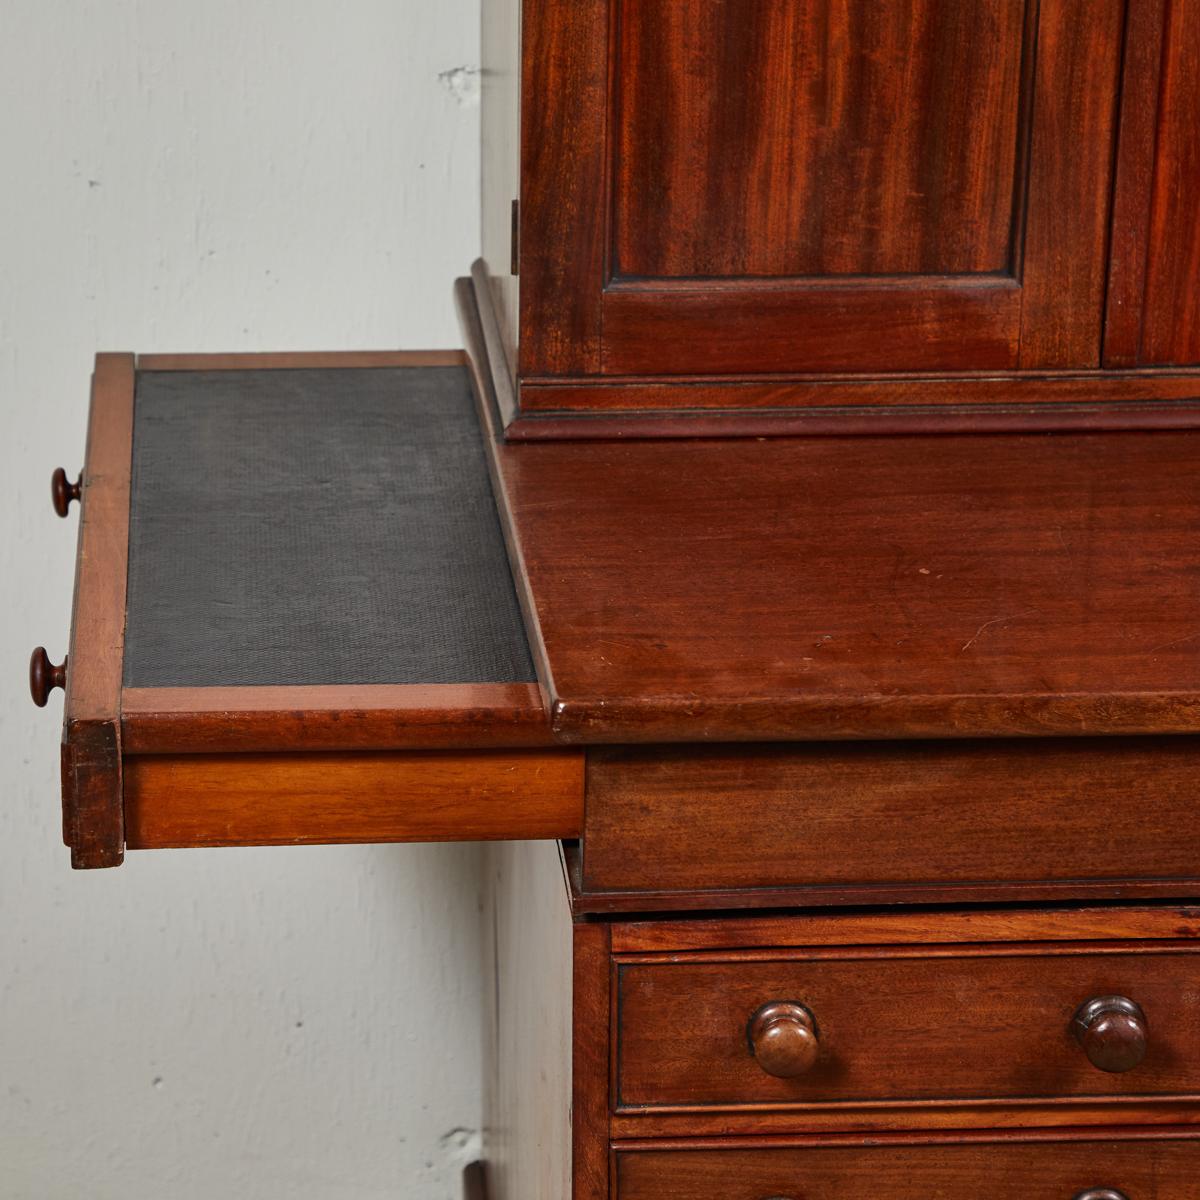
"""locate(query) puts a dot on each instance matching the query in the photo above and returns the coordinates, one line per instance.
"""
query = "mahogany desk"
(841, 789)
(779, 685)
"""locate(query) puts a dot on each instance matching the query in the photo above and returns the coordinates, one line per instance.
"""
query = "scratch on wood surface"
(994, 621)
(1191, 637)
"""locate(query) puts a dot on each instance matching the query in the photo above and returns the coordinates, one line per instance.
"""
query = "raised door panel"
(765, 140)
(820, 186)
(1154, 290)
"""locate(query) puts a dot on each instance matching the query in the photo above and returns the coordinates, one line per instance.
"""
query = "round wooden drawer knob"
(62, 491)
(1112, 1031)
(44, 676)
(1101, 1194)
(784, 1039)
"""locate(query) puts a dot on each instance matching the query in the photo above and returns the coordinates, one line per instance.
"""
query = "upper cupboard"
(843, 206)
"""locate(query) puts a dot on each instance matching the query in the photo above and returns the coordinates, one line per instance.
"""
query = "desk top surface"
(863, 587)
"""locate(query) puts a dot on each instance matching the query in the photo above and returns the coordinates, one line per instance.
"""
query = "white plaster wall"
(219, 175)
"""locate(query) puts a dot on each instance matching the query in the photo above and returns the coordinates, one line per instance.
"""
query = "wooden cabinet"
(852, 215)
(808, 188)
(566, 586)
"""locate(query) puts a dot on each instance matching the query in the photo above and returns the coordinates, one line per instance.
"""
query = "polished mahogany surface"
(873, 587)
(909, 1025)
(1098, 1168)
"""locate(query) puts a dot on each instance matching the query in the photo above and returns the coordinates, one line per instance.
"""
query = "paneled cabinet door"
(810, 186)
(1154, 290)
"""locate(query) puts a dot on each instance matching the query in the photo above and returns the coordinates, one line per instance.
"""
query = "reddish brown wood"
(485, 383)
(91, 753)
(929, 932)
(1141, 1166)
(902, 1025)
(415, 796)
(590, 1062)
(564, 80)
(739, 590)
(1134, 182)
(946, 323)
(62, 491)
(907, 926)
(746, 250)
(1171, 318)
(45, 676)
(301, 719)
(1112, 1031)
(1102, 1117)
(681, 206)
(1086, 394)
(1066, 237)
(884, 817)
(300, 360)
(870, 169)
(835, 422)
(784, 1039)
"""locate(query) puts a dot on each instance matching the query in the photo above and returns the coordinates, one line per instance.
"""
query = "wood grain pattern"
(765, 188)
(291, 799)
(884, 419)
(1084, 394)
(747, 939)
(1171, 320)
(528, 1031)
(91, 749)
(923, 325)
(564, 80)
(903, 1025)
(901, 927)
(1100, 1116)
(592, 1031)
(1070, 176)
(1141, 1166)
(877, 816)
(862, 588)
(302, 719)
(766, 139)
(1133, 186)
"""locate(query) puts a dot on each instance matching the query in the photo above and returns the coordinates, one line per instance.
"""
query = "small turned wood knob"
(784, 1039)
(44, 676)
(62, 491)
(1101, 1194)
(1112, 1031)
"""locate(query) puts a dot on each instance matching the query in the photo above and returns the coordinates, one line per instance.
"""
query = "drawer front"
(1051, 1170)
(893, 1026)
(906, 821)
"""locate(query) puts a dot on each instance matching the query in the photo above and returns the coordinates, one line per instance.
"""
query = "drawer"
(861, 823)
(294, 616)
(1094, 1169)
(854, 1026)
